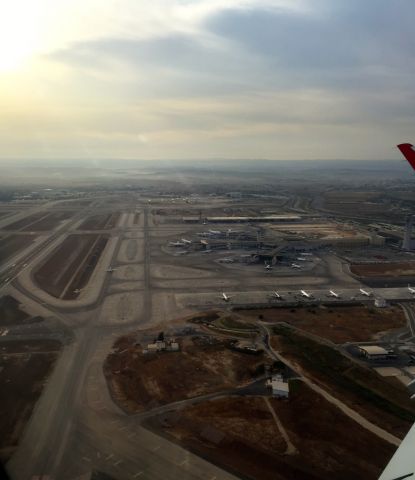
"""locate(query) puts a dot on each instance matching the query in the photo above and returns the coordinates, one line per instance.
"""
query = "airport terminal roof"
(269, 218)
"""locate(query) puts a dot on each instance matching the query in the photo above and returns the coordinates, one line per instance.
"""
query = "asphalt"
(75, 427)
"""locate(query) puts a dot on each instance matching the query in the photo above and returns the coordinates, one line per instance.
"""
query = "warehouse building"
(373, 352)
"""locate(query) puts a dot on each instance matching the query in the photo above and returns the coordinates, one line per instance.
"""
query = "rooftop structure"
(280, 388)
(373, 352)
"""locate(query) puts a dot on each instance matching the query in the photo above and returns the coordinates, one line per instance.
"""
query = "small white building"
(173, 347)
(380, 302)
(373, 352)
(280, 387)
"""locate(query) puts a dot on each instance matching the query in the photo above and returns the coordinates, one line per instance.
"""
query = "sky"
(202, 79)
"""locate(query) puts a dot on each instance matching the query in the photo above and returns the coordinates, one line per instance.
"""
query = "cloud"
(233, 80)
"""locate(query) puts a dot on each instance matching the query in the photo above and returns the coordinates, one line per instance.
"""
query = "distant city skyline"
(269, 79)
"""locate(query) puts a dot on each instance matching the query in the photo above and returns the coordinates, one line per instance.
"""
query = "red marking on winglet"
(408, 152)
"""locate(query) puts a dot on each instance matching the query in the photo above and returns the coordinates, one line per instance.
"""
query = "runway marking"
(137, 474)
(86, 459)
(156, 448)
(109, 456)
(117, 463)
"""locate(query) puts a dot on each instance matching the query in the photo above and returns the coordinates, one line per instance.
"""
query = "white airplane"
(365, 292)
(111, 269)
(176, 244)
(78, 290)
(275, 295)
(215, 232)
(188, 242)
(305, 294)
(295, 265)
(411, 289)
(305, 254)
(332, 293)
(225, 297)
(268, 266)
(301, 259)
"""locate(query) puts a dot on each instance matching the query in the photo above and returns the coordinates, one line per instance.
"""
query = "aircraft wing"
(402, 464)
(408, 152)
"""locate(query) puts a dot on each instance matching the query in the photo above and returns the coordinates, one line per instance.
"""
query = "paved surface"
(75, 426)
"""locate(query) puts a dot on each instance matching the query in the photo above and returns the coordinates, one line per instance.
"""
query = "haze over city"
(240, 79)
(207, 247)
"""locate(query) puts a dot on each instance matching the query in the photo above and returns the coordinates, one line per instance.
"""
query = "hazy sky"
(206, 78)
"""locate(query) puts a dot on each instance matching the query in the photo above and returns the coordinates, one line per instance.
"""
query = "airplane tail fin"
(408, 152)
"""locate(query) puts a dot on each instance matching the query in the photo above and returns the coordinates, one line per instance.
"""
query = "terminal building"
(267, 219)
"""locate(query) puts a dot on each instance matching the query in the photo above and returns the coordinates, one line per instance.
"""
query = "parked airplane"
(176, 244)
(365, 292)
(275, 295)
(111, 269)
(188, 242)
(295, 265)
(332, 293)
(411, 289)
(305, 294)
(225, 297)
(268, 266)
(215, 232)
(78, 290)
(300, 259)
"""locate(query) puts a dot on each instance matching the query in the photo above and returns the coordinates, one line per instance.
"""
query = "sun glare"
(18, 33)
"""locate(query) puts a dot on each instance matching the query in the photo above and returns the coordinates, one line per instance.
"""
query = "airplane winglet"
(408, 152)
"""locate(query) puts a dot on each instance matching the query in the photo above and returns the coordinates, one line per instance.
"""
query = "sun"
(18, 33)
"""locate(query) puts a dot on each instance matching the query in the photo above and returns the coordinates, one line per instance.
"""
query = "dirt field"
(241, 435)
(393, 269)
(339, 324)
(10, 314)
(74, 260)
(39, 221)
(104, 221)
(26, 221)
(50, 221)
(12, 244)
(140, 381)
(24, 367)
(383, 401)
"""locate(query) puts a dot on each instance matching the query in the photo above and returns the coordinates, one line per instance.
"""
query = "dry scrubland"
(392, 269)
(241, 435)
(338, 324)
(24, 368)
(383, 401)
(140, 381)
